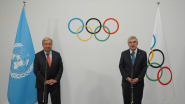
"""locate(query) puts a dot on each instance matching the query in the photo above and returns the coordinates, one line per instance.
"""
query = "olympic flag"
(159, 87)
(21, 88)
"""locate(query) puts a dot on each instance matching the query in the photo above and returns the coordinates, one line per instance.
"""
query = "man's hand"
(135, 80)
(47, 82)
(52, 81)
(129, 80)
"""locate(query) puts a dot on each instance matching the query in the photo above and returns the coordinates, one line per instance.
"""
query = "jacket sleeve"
(122, 67)
(144, 68)
(37, 70)
(60, 69)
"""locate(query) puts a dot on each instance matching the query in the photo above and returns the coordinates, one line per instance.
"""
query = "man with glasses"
(137, 58)
(53, 61)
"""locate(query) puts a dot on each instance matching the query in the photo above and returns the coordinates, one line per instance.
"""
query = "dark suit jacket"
(55, 72)
(139, 68)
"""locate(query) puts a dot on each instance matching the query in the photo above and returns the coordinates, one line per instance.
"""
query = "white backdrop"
(91, 74)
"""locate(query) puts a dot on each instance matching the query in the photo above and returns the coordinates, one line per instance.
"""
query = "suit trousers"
(54, 93)
(137, 95)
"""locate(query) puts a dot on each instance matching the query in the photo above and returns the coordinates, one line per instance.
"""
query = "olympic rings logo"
(159, 65)
(95, 31)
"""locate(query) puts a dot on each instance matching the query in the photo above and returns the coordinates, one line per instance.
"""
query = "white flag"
(159, 87)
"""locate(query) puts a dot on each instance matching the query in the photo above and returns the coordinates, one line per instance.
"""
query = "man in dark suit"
(54, 72)
(137, 58)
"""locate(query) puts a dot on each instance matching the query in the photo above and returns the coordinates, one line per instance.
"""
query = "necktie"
(133, 57)
(49, 61)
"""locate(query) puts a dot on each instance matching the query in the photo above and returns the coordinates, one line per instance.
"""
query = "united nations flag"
(21, 88)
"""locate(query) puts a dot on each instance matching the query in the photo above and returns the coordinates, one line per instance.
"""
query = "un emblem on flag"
(20, 64)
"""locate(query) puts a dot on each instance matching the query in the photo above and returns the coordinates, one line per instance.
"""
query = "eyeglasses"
(132, 42)
(48, 44)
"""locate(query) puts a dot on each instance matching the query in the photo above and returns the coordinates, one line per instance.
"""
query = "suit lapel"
(45, 59)
(137, 56)
(129, 57)
(53, 58)
(43, 55)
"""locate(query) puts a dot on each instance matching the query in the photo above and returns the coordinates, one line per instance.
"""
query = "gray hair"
(132, 37)
(46, 38)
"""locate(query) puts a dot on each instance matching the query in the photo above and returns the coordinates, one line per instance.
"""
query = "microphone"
(45, 85)
(131, 54)
(132, 95)
(47, 53)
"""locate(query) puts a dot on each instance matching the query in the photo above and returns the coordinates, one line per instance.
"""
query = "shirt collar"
(134, 51)
(49, 52)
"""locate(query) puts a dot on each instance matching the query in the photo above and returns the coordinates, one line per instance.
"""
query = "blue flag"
(21, 88)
